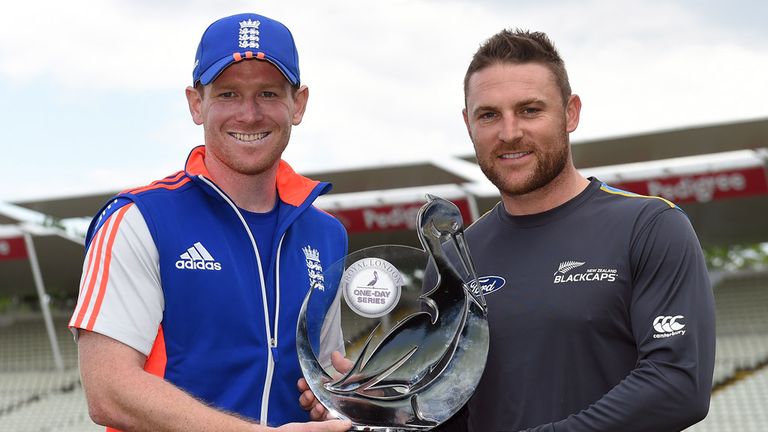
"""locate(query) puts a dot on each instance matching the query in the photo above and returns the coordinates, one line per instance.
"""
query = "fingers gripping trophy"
(411, 322)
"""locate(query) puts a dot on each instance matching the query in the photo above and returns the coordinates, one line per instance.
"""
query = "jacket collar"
(292, 188)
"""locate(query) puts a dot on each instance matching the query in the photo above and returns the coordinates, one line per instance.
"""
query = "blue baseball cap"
(245, 36)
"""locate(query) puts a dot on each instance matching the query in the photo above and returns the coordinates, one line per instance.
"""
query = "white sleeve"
(120, 292)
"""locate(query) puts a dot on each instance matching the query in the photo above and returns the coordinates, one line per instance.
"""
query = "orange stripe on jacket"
(107, 260)
(91, 258)
(95, 274)
(87, 276)
(169, 179)
(161, 186)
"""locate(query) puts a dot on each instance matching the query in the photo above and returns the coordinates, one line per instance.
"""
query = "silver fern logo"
(567, 266)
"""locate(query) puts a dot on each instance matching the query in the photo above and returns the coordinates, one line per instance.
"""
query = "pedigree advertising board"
(390, 217)
(703, 188)
(12, 248)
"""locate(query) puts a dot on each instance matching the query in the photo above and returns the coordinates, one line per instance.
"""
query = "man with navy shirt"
(602, 316)
(192, 284)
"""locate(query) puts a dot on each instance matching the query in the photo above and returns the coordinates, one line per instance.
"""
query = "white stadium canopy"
(716, 173)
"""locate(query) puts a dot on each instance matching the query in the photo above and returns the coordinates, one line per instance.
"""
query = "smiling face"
(519, 126)
(247, 113)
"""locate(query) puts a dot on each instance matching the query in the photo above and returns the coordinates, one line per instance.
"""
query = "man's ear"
(466, 121)
(299, 104)
(572, 113)
(195, 102)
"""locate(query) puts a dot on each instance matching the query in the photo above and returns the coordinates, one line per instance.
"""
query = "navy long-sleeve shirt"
(601, 318)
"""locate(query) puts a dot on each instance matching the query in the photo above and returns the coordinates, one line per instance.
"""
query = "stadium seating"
(34, 397)
(740, 407)
(740, 398)
(44, 401)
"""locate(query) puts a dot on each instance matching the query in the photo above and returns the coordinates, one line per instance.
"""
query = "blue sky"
(92, 92)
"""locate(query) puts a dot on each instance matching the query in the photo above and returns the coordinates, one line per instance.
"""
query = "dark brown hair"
(517, 47)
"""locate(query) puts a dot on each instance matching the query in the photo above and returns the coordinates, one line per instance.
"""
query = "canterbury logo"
(567, 266)
(197, 258)
(667, 326)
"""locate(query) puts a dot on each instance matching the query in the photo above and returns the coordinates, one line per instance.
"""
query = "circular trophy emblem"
(371, 287)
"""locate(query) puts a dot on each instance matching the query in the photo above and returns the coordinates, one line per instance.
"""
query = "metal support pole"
(473, 210)
(44, 300)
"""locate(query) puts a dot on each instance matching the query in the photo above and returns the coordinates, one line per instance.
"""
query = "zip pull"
(273, 348)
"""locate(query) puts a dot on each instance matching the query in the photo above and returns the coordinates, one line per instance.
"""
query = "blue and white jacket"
(218, 338)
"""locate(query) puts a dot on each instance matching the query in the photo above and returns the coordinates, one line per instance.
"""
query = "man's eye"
(531, 111)
(487, 116)
(268, 94)
(227, 94)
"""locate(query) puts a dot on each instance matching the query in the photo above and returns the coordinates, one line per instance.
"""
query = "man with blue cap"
(192, 285)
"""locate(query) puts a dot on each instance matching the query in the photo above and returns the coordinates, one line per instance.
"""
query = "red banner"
(390, 218)
(12, 248)
(703, 187)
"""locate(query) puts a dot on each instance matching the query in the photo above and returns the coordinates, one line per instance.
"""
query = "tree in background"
(737, 257)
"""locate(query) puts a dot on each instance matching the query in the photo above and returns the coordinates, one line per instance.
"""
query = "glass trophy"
(409, 327)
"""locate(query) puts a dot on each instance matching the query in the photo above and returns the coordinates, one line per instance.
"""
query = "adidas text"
(197, 265)
(197, 257)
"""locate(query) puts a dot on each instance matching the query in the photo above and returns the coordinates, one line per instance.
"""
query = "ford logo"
(488, 284)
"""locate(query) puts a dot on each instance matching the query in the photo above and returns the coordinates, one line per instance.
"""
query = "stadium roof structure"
(717, 173)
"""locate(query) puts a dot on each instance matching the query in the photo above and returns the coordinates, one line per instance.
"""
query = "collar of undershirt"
(552, 215)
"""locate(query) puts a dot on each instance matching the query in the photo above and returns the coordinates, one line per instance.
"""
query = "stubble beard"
(229, 157)
(548, 167)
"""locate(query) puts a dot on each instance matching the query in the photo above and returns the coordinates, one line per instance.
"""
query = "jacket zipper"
(271, 341)
(272, 357)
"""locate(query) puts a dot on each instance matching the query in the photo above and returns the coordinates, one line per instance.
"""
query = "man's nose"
(511, 129)
(250, 111)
